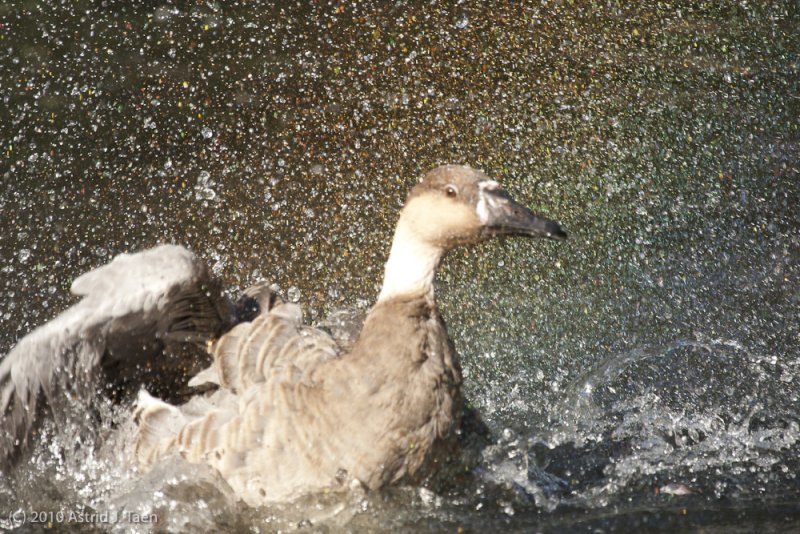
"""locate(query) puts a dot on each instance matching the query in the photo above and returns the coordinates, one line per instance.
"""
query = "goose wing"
(130, 310)
(266, 370)
(275, 346)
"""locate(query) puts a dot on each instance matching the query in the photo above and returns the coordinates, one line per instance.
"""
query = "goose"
(283, 409)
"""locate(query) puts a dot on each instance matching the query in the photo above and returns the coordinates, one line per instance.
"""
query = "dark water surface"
(656, 350)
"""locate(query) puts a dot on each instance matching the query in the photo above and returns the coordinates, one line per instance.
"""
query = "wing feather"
(260, 363)
(129, 310)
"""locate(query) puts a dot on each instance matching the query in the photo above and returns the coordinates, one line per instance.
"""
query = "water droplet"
(293, 294)
(204, 188)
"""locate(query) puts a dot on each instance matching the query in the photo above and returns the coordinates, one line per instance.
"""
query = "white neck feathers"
(411, 266)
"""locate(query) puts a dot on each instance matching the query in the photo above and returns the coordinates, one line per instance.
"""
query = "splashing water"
(642, 376)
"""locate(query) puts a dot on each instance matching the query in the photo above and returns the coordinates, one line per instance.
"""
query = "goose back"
(294, 414)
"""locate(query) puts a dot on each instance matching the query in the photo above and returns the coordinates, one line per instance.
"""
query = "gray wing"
(131, 309)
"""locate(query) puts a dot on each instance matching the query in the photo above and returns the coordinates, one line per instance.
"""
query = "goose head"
(453, 205)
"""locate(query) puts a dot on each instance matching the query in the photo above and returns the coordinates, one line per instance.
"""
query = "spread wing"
(131, 309)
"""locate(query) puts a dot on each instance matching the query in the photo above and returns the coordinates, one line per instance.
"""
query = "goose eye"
(451, 191)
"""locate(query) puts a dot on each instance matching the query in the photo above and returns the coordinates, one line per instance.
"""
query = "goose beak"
(501, 215)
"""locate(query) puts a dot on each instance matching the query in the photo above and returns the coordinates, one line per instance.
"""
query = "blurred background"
(653, 354)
